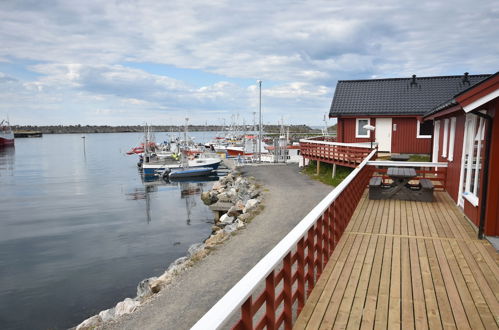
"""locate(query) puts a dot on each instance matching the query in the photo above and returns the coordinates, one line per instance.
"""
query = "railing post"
(270, 301)
(247, 314)
(288, 305)
(301, 274)
(320, 223)
(311, 257)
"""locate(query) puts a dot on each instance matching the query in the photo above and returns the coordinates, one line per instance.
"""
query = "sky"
(97, 62)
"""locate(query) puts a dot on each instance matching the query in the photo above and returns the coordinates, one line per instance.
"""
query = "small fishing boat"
(154, 167)
(188, 172)
(6, 134)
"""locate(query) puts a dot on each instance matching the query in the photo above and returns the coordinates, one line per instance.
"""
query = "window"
(424, 129)
(446, 137)
(360, 131)
(472, 158)
(452, 138)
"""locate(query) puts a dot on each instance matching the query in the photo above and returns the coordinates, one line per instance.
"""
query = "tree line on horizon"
(65, 129)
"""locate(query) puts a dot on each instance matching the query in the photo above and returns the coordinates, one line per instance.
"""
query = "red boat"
(6, 134)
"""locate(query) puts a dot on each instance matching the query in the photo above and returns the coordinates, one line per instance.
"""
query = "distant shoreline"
(87, 129)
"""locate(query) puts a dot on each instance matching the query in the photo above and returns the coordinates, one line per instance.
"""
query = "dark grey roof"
(397, 96)
(452, 102)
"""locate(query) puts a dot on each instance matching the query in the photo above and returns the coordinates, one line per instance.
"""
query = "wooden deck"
(407, 265)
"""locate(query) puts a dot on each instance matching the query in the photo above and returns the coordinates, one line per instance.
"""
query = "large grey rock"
(230, 228)
(251, 205)
(224, 197)
(177, 264)
(195, 248)
(126, 307)
(144, 288)
(234, 211)
(205, 197)
(226, 219)
(244, 217)
(107, 315)
(90, 323)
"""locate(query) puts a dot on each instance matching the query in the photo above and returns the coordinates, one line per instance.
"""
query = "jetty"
(27, 134)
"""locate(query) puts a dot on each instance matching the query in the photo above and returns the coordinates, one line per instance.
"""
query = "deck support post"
(318, 167)
(334, 171)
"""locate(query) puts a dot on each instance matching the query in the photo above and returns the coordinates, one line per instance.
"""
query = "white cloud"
(66, 51)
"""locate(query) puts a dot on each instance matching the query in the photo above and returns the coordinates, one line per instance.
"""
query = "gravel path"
(289, 196)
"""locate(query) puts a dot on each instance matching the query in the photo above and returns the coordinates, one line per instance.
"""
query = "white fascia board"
(481, 101)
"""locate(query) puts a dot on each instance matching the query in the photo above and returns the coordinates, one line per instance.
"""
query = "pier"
(27, 134)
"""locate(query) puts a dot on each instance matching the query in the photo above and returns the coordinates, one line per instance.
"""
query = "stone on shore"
(144, 288)
(226, 219)
(90, 323)
(126, 307)
(251, 205)
(107, 315)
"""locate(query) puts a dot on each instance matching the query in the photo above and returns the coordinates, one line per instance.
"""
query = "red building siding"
(346, 131)
(404, 138)
(492, 212)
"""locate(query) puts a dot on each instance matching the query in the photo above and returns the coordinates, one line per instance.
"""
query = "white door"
(384, 134)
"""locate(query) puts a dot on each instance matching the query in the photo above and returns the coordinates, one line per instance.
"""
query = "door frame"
(388, 120)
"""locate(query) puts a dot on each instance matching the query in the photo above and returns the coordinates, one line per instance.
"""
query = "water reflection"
(7, 160)
(190, 189)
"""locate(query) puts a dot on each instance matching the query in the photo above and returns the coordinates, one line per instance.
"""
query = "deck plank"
(338, 294)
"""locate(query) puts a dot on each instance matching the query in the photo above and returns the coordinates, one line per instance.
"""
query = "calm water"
(79, 228)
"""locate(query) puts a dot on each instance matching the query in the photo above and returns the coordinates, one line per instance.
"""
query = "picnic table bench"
(400, 188)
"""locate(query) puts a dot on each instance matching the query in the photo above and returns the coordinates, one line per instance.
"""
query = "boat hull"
(190, 172)
(155, 168)
(6, 140)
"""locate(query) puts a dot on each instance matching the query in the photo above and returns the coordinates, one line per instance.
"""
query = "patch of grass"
(419, 158)
(326, 171)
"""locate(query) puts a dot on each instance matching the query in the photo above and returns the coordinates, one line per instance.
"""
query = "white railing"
(392, 163)
(221, 312)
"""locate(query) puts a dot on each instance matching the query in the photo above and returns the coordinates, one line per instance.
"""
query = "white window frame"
(368, 135)
(452, 139)
(474, 127)
(445, 139)
(421, 136)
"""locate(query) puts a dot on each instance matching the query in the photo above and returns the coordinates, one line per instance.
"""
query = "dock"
(27, 134)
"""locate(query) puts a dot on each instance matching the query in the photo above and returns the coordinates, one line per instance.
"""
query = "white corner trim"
(481, 101)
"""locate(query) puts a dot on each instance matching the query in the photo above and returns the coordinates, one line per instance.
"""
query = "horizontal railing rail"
(291, 269)
(322, 138)
(346, 154)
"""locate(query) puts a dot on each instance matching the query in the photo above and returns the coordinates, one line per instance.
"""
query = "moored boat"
(6, 134)
(154, 167)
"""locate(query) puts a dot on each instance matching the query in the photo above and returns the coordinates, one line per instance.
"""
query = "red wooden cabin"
(466, 135)
(395, 107)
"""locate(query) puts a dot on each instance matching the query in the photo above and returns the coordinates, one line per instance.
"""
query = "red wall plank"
(404, 139)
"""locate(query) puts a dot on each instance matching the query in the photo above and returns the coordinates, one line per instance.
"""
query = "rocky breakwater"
(235, 201)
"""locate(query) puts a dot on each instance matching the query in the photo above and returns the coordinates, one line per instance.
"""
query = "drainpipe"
(485, 185)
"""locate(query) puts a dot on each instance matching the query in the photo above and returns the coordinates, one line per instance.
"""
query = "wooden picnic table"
(400, 187)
